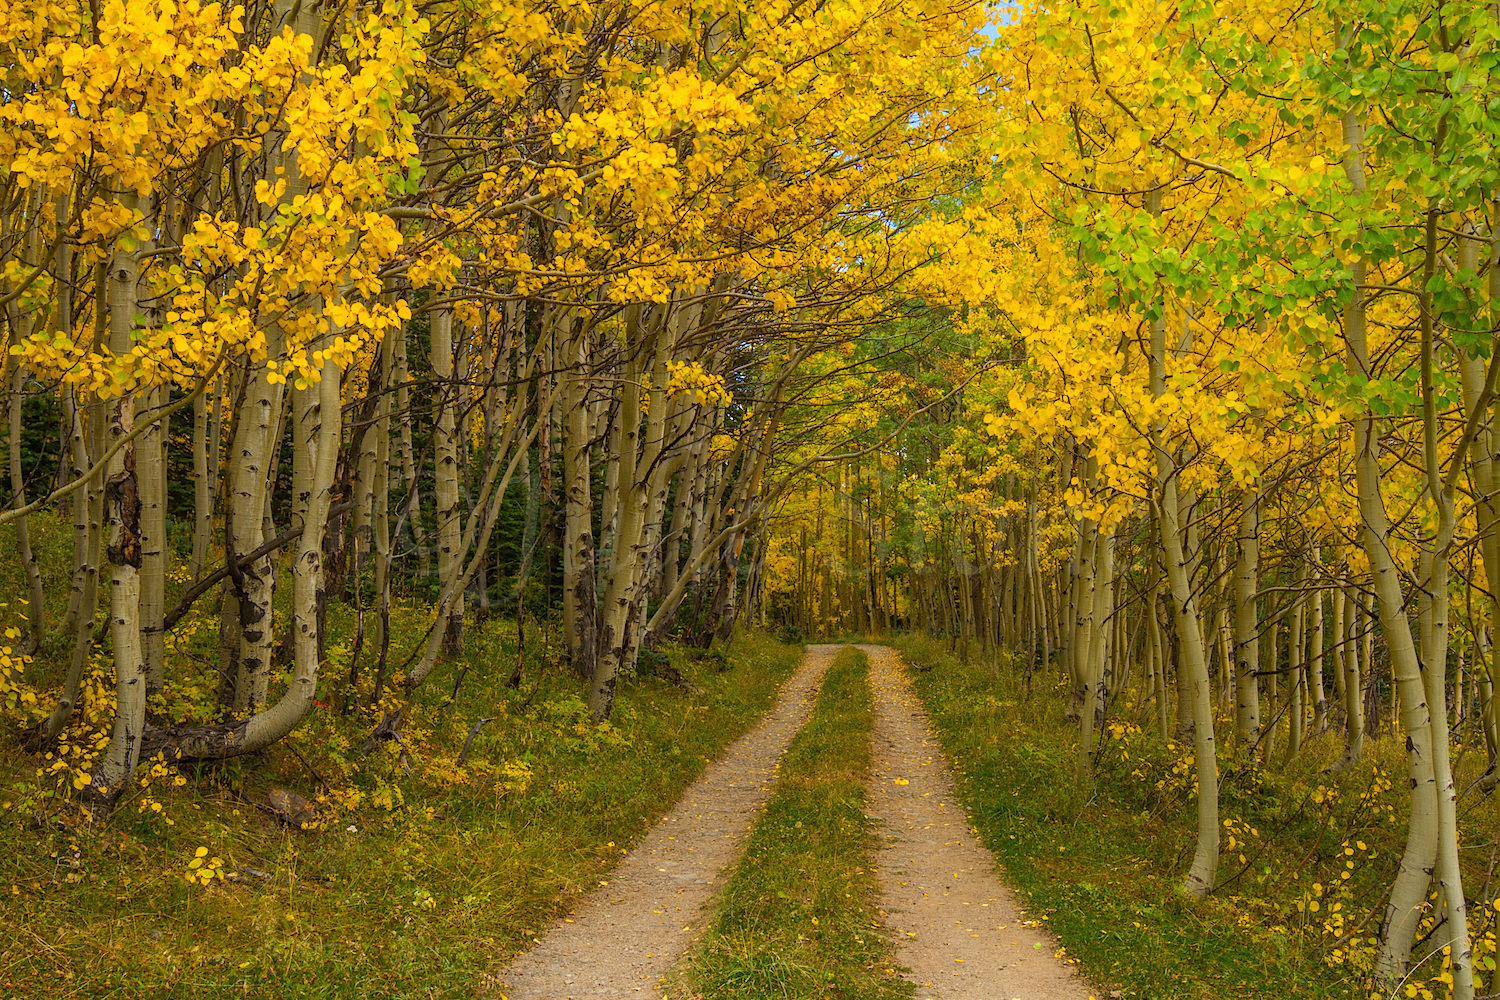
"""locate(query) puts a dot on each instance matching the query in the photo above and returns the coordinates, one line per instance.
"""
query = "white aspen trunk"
(1456, 709)
(1296, 647)
(216, 437)
(637, 458)
(405, 452)
(1182, 726)
(74, 445)
(1090, 644)
(1354, 700)
(629, 513)
(1408, 893)
(1246, 622)
(1224, 641)
(610, 499)
(1158, 654)
(362, 517)
(476, 534)
(1081, 601)
(1066, 611)
(492, 370)
(122, 507)
(1081, 631)
(1489, 710)
(317, 436)
(1069, 600)
(151, 476)
(203, 488)
(580, 602)
(250, 475)
(651, 555)
(1271, 693)
(533, 482)
(1483, 470)
(686, 481)
(1203, 873)
(446, 472)
(380, 513)
(705, 487)
(1315, 659)
(318, 432)
(1434, 629)
(1433, 604)
(1216, 639)
(1336, 636)
(1148, 666)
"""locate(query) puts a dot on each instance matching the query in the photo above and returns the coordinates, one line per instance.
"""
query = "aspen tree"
(1354, 722)
(123, 524)
(1246, 621)
(1202, 875)
(1315, 657)
(1409, 891)
(449, 527)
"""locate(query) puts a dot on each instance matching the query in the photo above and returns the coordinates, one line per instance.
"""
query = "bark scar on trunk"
(123, 492)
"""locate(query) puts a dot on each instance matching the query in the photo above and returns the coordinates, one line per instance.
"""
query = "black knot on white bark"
(122, 497)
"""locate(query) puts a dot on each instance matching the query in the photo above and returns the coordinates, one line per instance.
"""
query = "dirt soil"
(627, 934)
(962, 933)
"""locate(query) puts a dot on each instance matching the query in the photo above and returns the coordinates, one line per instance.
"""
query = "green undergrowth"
(1306, 855)
(797, 918)
(415, 874)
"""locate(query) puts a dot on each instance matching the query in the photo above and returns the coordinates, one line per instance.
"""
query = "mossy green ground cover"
(419, 876)
(1105, 867)
(798, 917)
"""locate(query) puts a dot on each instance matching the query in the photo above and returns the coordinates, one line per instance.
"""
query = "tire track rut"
(961, 932)
(626, 935)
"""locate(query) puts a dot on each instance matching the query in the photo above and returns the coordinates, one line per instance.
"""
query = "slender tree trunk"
(380, 521)
(445, 452)
(251, 474)
(1404, 905)
(581, 605)
(1159, 653)
(151, 475)
(630, 515)
(1081, 681)
(1354, 722)
(203, 484)
(1203, 872)
(1296, 650)
(123, 520)
(1316, 686)
(1273, 683)
(78, 508)
(1099, 594)
(1246, 624)
(405, 451)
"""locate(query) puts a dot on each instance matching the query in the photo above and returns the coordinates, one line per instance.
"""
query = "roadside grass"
(1104, 869)
(419, 874)
(798, 918)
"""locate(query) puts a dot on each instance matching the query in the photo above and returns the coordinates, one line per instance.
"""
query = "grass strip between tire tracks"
(798, 917)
